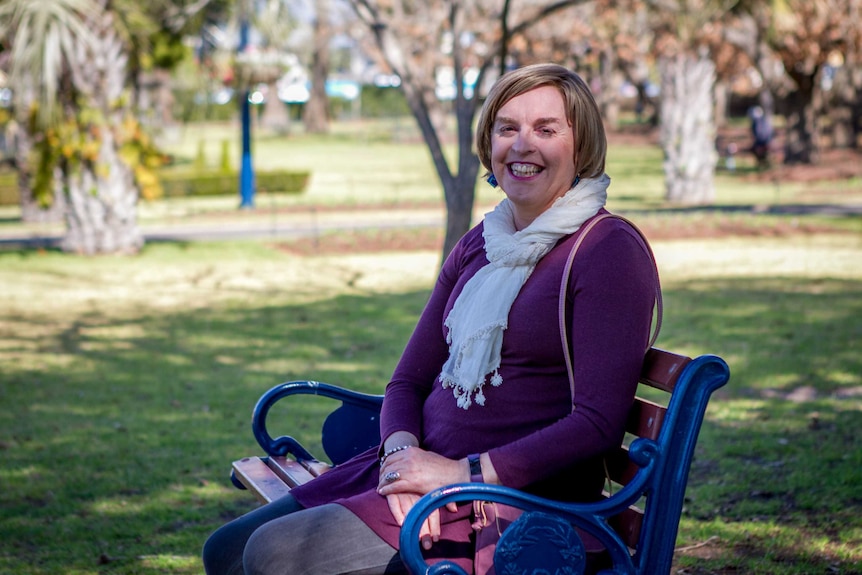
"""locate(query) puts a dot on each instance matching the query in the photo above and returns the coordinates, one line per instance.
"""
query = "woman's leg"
(325, 540)
(222, 553)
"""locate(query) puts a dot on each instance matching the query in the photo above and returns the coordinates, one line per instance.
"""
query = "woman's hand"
(408, 474)
(401, 503)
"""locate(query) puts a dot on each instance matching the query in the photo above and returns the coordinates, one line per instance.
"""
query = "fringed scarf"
(480, 314)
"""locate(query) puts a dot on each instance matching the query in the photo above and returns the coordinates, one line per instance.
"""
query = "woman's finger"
(434, 525)
(396, 508)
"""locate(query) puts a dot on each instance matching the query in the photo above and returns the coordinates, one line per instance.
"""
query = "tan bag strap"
(564, 284)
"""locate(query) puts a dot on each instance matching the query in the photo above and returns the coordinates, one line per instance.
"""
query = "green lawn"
(126, 384)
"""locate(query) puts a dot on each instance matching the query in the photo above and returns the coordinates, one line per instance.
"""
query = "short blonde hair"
(582, 112)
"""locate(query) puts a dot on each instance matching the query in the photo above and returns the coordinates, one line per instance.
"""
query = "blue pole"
(246, 173)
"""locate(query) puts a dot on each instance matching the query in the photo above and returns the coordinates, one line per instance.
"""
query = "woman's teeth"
(524, 170)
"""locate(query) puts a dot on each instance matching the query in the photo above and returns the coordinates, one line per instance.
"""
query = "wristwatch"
(475, 468)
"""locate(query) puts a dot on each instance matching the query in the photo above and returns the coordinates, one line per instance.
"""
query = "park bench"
(636, 522)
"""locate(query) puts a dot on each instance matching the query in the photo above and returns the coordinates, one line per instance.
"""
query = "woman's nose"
(523, 141)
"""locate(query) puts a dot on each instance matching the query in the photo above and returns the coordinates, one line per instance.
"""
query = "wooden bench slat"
(272, 477)
(260, 479)
(628, 525)
(662, 368)
(645, 418)
(291, 472)
(315, 467)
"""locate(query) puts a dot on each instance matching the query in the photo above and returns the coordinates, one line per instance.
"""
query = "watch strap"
(475, 468)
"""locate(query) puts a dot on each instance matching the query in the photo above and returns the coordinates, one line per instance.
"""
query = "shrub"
(180, 183)
(211, 183)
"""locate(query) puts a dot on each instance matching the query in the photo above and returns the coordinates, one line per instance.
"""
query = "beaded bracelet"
(391, 451)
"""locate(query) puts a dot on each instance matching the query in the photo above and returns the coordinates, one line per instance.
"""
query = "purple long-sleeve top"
(535, 440)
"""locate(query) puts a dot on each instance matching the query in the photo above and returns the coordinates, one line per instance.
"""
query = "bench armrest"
(592, 518)
(352, 401)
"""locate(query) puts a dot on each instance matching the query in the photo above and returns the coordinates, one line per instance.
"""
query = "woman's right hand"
(401, 503)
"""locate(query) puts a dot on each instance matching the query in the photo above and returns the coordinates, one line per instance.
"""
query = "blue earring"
(492, 181)
(577, 179)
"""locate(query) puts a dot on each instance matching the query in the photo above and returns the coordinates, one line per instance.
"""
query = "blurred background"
(95, 94)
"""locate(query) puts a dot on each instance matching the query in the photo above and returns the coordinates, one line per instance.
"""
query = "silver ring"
(391, 477)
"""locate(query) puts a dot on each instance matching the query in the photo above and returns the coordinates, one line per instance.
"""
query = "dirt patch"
(655, 228)
(367, 241)
(721, 226)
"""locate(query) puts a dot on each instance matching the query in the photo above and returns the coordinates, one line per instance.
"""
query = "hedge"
(9, 189)
(191, 183)
(179, 184)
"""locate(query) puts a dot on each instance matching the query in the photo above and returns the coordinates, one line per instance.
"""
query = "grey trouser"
(283, 538)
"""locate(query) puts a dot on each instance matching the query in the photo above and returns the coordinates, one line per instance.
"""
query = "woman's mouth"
(524, 170)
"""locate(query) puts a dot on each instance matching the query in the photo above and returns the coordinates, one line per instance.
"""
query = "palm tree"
(69, 67)
(40, 36)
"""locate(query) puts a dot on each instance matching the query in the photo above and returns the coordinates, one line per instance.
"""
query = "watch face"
(475, 469)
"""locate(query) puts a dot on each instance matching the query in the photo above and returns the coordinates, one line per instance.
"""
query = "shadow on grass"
(121, 441)
(778, 471)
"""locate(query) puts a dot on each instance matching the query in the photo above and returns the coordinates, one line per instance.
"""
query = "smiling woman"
(483, 390)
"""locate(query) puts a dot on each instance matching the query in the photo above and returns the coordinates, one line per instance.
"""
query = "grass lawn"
(126, 384)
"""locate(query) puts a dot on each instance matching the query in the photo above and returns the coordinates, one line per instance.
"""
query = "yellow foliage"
(90, 151)
(148, 180)
(78, 140)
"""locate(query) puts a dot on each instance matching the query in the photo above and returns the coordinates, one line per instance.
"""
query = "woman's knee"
(267, 548)
(323, 540)
(222, 552)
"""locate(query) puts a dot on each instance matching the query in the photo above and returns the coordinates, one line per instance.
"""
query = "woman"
(481, 392)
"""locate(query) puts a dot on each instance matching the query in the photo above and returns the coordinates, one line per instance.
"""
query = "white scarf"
(480, 314)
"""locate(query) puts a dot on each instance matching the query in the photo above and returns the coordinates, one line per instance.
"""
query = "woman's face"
(532, 152)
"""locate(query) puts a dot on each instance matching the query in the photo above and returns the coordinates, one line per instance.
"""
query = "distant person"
(761, 132)
(727, 150)
(730, 156)
(481, 392)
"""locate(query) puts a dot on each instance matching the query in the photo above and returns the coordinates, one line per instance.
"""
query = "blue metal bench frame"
(359, 413)
(664, 467)
(662, 472)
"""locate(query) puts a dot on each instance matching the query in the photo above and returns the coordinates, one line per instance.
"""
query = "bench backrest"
(350, 430)
(650, 472)
(660, 371)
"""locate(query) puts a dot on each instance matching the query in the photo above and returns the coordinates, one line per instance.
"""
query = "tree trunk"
(609, 95)
(101, 215)
(802, 139)
(687, 128)
(845, 106)
(459, 190)
(315, 115)
(722, 97)
(275, 115)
